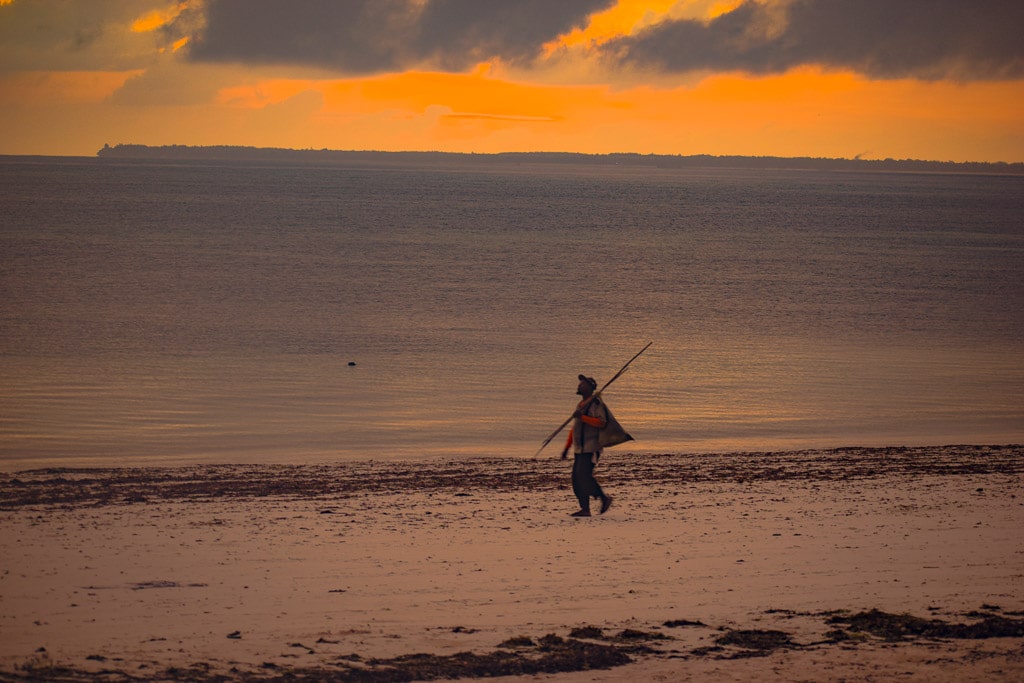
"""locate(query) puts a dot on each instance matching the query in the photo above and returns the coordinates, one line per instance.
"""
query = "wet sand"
(850, 564)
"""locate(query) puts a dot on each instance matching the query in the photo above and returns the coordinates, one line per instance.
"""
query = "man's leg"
(595, 489)
(582, 474)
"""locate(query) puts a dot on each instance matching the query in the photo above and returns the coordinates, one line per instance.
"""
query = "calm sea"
(165, 313)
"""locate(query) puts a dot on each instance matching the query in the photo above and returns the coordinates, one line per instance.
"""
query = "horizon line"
(667, 155)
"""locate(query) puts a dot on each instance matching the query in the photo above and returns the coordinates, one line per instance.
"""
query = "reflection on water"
(168, 312)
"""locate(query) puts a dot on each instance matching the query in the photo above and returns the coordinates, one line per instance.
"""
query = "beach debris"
(550, 654)
(143, 585)
(628, 635)
(68, 488)
(746, 643)
(591, 632)
(756, 639)
(631, 635)
(897, 627)
(235, 635)
(518, 641)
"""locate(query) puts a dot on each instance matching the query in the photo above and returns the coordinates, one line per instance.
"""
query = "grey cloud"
(366, 36)
(358, 35)
(470, 30)
(926, 39)
(45, 35)
(170, 83)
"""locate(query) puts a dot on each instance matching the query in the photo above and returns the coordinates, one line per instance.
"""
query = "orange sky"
(139, 80)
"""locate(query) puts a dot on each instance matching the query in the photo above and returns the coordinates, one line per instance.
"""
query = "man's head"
(587, 386)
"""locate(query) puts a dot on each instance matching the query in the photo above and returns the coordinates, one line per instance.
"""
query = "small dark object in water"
(351, 363)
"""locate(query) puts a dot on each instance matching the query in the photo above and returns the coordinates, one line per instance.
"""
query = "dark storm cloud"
(51, 35)
(471, 30)
(382, 35)
(930, 39)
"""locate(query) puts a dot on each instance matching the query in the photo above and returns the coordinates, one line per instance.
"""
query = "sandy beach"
(849, 564)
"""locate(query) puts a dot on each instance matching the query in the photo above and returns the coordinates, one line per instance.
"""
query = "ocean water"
(169, 312)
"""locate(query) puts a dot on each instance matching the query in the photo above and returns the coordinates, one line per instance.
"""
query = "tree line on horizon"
(245, 153)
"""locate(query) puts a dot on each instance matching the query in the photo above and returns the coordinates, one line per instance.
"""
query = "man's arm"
(600, 420)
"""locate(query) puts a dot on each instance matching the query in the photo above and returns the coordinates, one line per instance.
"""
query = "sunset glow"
(43, 88)
(158, 18)
(620, 19)
(627, 76)
(553, 340)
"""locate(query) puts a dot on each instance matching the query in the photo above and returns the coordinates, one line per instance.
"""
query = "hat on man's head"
(589, 380)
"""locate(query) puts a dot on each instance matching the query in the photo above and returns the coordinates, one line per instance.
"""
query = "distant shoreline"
(659, 161)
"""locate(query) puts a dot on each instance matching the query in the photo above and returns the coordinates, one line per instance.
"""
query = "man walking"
(589, 419)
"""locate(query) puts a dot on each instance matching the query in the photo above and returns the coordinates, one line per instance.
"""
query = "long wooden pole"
(592, 397)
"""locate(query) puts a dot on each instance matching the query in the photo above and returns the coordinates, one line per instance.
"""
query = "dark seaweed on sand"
(549, 654)
(756, 639)
(552, 654)
(895, 627)
(84, 487)
(745, 643)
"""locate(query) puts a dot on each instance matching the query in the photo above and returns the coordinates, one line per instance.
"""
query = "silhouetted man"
(589, 419)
